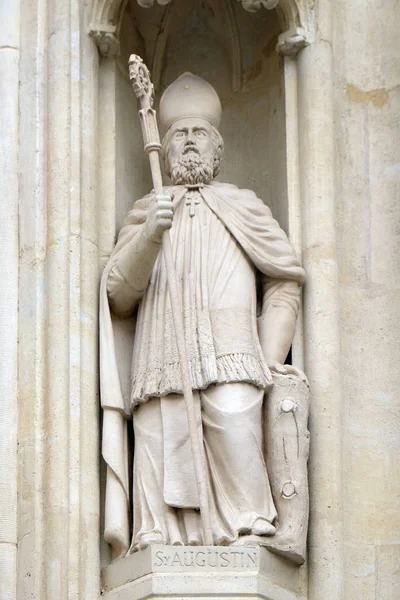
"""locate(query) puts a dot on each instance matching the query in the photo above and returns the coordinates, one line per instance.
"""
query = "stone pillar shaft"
(321, 311)
(58, 554)
(293, 186)
(9, 64)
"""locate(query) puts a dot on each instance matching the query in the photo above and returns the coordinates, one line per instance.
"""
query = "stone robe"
(223, 246)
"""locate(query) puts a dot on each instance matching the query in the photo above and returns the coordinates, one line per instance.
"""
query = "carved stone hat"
(189, 96)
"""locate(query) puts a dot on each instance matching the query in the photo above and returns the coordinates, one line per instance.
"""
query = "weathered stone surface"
(324, 126)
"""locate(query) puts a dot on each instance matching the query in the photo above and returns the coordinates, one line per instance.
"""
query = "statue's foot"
(150, 538)
(194, 542)
(262, 527)
(193, 538)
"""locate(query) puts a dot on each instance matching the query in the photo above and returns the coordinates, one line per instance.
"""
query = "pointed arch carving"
(297, 18)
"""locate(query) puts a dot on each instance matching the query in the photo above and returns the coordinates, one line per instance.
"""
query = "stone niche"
(235, 50)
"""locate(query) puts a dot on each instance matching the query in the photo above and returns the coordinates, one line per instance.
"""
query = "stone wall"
(367, 117)
(59, 124)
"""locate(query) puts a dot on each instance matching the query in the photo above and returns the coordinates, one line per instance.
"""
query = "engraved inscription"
(205, 558)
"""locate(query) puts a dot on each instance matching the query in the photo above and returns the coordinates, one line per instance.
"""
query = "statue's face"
(192, 149)
(190, 137)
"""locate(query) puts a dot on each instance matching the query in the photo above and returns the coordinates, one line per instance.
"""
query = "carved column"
(321, 309)
(9, 63)
(293, 187)
(58, 530)
(107, 157)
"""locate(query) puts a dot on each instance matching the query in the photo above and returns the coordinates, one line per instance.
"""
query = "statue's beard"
(192, 168)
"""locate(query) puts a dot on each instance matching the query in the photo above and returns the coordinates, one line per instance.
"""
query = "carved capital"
(106, 41)
(105, 23)
(290, 43)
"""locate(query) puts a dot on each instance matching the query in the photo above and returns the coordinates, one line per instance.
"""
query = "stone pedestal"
(203, 571)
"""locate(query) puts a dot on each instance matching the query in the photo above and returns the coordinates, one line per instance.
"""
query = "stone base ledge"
(209, 572)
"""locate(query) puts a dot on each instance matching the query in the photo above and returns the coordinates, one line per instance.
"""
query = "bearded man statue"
(239, 281)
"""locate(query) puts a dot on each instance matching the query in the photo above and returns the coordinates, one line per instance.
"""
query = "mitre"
(189, 96)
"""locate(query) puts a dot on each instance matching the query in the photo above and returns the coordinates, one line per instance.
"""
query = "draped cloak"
(266, 246)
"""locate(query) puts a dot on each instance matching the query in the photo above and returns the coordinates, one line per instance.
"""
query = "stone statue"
(240, 282)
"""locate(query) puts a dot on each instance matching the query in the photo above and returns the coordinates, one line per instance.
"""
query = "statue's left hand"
(276, 367)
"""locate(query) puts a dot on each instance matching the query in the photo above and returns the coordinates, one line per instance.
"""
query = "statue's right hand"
(159, 217)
